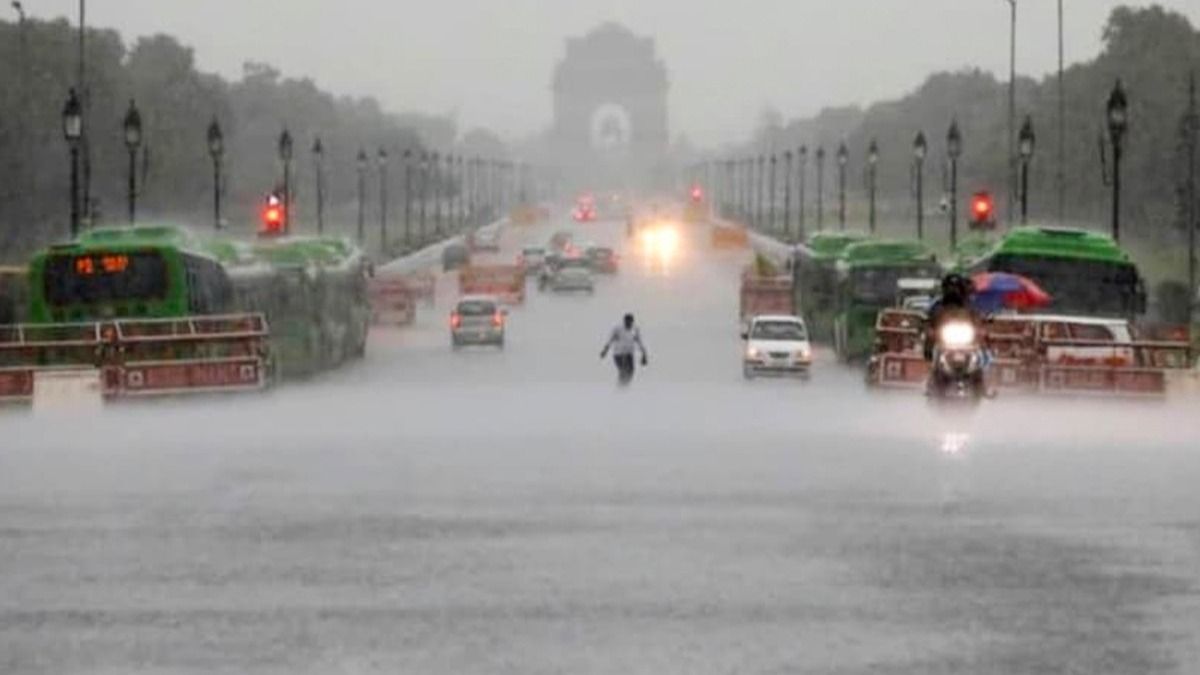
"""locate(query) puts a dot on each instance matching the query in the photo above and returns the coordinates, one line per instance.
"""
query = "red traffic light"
(273, 216)
(697, 193)
(982, 206)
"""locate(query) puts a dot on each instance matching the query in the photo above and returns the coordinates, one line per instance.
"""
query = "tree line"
(1152, 51)
(38, 66)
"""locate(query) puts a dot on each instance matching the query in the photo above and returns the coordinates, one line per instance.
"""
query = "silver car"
(477, 320)
(568, 279)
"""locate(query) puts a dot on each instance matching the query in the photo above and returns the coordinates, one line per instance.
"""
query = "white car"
(572, 278)
(777, 344)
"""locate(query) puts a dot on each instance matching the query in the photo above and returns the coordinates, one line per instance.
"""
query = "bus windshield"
(878, 285)
(1087, 287)
(105, 277)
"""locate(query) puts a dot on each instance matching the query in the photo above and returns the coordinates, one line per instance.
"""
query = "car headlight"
(803, 354)
(958, 334)
(753, 354)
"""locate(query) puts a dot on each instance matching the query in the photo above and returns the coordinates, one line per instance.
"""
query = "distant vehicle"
(455, 256)
(916, 294)
(572, 278)
(603, 260)
(777, 344)
(532, 259)
(477, 320)
(585, 209)
(485, 240)
(560, 241)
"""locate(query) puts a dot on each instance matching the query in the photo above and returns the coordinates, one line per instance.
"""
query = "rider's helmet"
(956, 288)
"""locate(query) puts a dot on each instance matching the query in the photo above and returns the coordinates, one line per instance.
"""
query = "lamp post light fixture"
(363, 164)
(318, 151)
(920, 149)
(72, 124)
(872, 167)
(382, 157)
(953, 151)
(1118, 125)
(216, 150)
(1027, 139)
(285, 157)
(133, 141)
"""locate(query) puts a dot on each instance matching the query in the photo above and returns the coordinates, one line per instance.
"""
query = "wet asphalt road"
(485, 512)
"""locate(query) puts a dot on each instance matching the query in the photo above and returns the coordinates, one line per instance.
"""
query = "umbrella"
(1001, 290)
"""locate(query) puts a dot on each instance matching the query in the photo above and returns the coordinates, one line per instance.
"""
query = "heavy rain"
(302, 374)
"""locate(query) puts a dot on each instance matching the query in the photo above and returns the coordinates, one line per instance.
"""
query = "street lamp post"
(771, 185)
(285, 157)
(843, 157)
(920, 148)
(747, 180)
(872, 162)
(462, 193)
(761, 172)
(447, 193)
(133, 140)
(406, 156)
(1012, 108)
(821, 188)
(383, 201)
(362, 195)
(216, 150)
(954, 151)
(421, 208)
(1027, 140)
(318, 151)
(72, 121)
(787, 193)
(802, 160)
(1118, 124)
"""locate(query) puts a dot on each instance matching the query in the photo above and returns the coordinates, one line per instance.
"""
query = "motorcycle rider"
(624, 341)
(953, 305)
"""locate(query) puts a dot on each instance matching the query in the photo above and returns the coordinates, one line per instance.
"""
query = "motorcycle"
(959, 362)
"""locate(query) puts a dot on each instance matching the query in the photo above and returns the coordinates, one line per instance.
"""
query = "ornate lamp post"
(285, 157)
(318, 151)
(406, 156)
(843, 157)
(872, 166)
(787, 193)
(382, 157)
(363, 164)
(72, 124)
(953, 151)
(133, 141)
(920, 149)
(771, 185)
(216, 150)
(1118, 124)
(802, 157)
(1026, 145)
(423, 173)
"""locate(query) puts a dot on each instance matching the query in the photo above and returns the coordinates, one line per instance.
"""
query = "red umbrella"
(995, 290)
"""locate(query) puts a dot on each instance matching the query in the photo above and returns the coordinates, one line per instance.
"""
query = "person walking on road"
(624, 342)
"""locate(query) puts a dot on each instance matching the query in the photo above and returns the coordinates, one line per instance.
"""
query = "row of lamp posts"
(484, 185)
(744, 179)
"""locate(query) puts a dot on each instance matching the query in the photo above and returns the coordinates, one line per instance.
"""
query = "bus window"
(105, 277)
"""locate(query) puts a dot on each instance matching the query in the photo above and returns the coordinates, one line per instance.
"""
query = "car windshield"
(778, 330)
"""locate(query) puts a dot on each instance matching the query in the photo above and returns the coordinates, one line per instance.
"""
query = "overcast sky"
(489, 61)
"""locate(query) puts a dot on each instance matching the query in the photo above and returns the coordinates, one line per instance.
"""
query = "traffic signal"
(983, 210)
(697, 194)
(273, 216)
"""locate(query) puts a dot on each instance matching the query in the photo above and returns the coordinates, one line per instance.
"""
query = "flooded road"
(427, 511)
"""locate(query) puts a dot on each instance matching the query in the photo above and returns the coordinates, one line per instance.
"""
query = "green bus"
(868, 277)
(815, 277)
(1085, 273)
(311, 290)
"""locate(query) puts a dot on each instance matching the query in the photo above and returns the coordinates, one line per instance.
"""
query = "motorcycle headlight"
(958, 334)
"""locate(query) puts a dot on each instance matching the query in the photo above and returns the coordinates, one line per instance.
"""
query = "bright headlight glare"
(958, 334)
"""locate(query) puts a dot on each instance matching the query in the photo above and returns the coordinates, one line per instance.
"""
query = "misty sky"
(489, 61)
